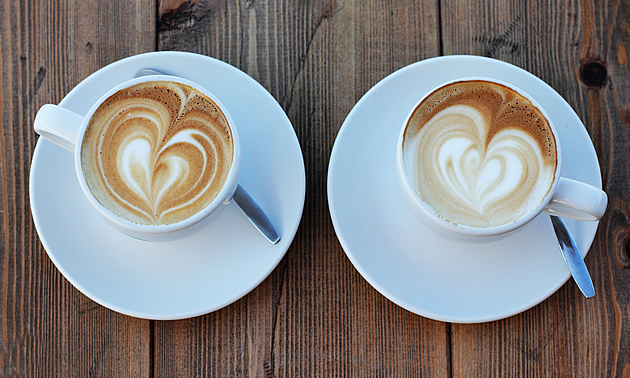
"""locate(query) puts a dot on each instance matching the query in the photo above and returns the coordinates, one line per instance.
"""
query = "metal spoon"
(572, 257)
(243, 199)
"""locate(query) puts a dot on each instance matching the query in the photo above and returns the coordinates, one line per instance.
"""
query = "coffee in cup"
(481, 157)
(157, 152)
(479, 153)
(156, 156)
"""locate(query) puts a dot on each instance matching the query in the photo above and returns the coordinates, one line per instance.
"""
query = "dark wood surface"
(314, 315)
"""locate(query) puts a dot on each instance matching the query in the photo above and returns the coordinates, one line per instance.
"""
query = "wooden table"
(314, 315)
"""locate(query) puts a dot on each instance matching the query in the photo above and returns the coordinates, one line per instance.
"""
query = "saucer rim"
(339, 228)
(291, 225)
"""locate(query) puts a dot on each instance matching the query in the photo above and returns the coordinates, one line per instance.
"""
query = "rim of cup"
(462, 228)
(224, 195)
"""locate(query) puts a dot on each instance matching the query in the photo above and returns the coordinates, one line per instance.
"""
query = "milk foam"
(473, 167)
(157, 153)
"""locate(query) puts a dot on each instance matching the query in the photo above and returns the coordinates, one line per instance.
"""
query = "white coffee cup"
(564, 197)
(66, 129)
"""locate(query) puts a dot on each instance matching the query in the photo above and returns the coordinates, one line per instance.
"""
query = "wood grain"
(608, 105)
(47, 328)
(315, 315)
(567, 335)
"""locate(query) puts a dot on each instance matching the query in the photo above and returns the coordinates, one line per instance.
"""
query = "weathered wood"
(47, 328)
(315, 315)
(605, 77)
(567, 335)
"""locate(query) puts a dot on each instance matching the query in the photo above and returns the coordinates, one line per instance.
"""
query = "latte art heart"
(157, 152)
(481, 160)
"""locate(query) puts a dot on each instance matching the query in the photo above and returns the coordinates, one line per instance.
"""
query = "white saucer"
(428, 275)
(206, 271)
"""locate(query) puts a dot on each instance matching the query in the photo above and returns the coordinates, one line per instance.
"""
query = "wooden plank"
(605, 94)
(567, 335)
(47, 328)
(315, 315)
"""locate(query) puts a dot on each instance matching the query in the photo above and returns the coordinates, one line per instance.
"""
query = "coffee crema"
(157, 152)
(479, 153)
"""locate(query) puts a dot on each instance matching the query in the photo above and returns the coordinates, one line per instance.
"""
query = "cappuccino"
(479, 154)
(157, 152)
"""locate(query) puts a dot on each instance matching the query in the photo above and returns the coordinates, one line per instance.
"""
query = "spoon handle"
(573, 258)
(255, 214)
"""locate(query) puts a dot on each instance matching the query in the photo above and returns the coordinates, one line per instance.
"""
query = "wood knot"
(621, 246)
(173, 14)
(593, 74)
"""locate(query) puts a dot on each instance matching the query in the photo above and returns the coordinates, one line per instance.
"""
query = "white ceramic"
(198, 274)
(425, 273)
(67, 129)
(565, 198)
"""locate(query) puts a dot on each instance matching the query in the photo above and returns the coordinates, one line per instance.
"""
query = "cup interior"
(140, 230)
(410, 187)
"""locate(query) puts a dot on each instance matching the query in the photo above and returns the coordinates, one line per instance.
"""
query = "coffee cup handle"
(577, 200)
(58, 125)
